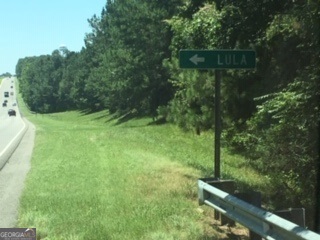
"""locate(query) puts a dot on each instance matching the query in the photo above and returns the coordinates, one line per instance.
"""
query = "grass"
(93, 178)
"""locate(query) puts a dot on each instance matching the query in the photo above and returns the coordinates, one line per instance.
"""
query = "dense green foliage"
(129, 65)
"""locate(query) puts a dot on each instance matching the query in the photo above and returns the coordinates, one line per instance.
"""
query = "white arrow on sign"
(195, 59)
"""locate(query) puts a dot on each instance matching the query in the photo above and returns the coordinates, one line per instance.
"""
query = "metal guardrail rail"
(266, 224)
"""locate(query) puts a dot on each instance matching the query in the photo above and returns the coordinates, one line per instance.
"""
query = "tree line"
(7, 74)
(129, 65)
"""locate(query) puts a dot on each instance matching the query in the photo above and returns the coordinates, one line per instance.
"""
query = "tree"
(131, 50)
(193, 104)
(282, 136)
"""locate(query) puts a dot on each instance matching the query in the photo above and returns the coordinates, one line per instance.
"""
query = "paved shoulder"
(12, 177)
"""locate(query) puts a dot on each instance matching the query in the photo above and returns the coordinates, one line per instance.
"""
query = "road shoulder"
(12, 178)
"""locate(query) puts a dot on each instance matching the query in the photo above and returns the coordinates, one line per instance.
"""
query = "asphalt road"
(14, 172)
(9, 126)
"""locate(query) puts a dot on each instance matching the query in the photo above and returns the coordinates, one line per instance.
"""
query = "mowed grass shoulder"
(93, 178)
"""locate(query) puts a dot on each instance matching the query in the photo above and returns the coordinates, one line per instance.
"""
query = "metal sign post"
(217, 123)
(217, 59)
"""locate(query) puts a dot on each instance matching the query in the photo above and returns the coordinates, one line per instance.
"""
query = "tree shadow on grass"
(158, 122)
(109, 117)
(88, 111)
(123, 117)
(126, 117)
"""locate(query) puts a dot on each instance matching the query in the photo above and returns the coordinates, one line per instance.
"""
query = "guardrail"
(266, 224)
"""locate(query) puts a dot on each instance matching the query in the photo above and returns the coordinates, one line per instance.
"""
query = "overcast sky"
(37, 27)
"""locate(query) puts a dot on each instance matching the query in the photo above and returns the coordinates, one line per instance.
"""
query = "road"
(14, 172)
(9, 126)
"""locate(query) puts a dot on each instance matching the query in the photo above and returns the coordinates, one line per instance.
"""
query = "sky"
(38, 27)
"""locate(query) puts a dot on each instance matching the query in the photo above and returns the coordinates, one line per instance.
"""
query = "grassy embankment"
(92, 178)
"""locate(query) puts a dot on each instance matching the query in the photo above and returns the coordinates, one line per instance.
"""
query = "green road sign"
(217, 59)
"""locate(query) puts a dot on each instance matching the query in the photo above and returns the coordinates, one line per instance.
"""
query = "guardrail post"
(253, 198)
(227, 186)
(295, 215)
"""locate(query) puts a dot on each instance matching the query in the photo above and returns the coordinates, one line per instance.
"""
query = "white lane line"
(12, 140)
(18, 134)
